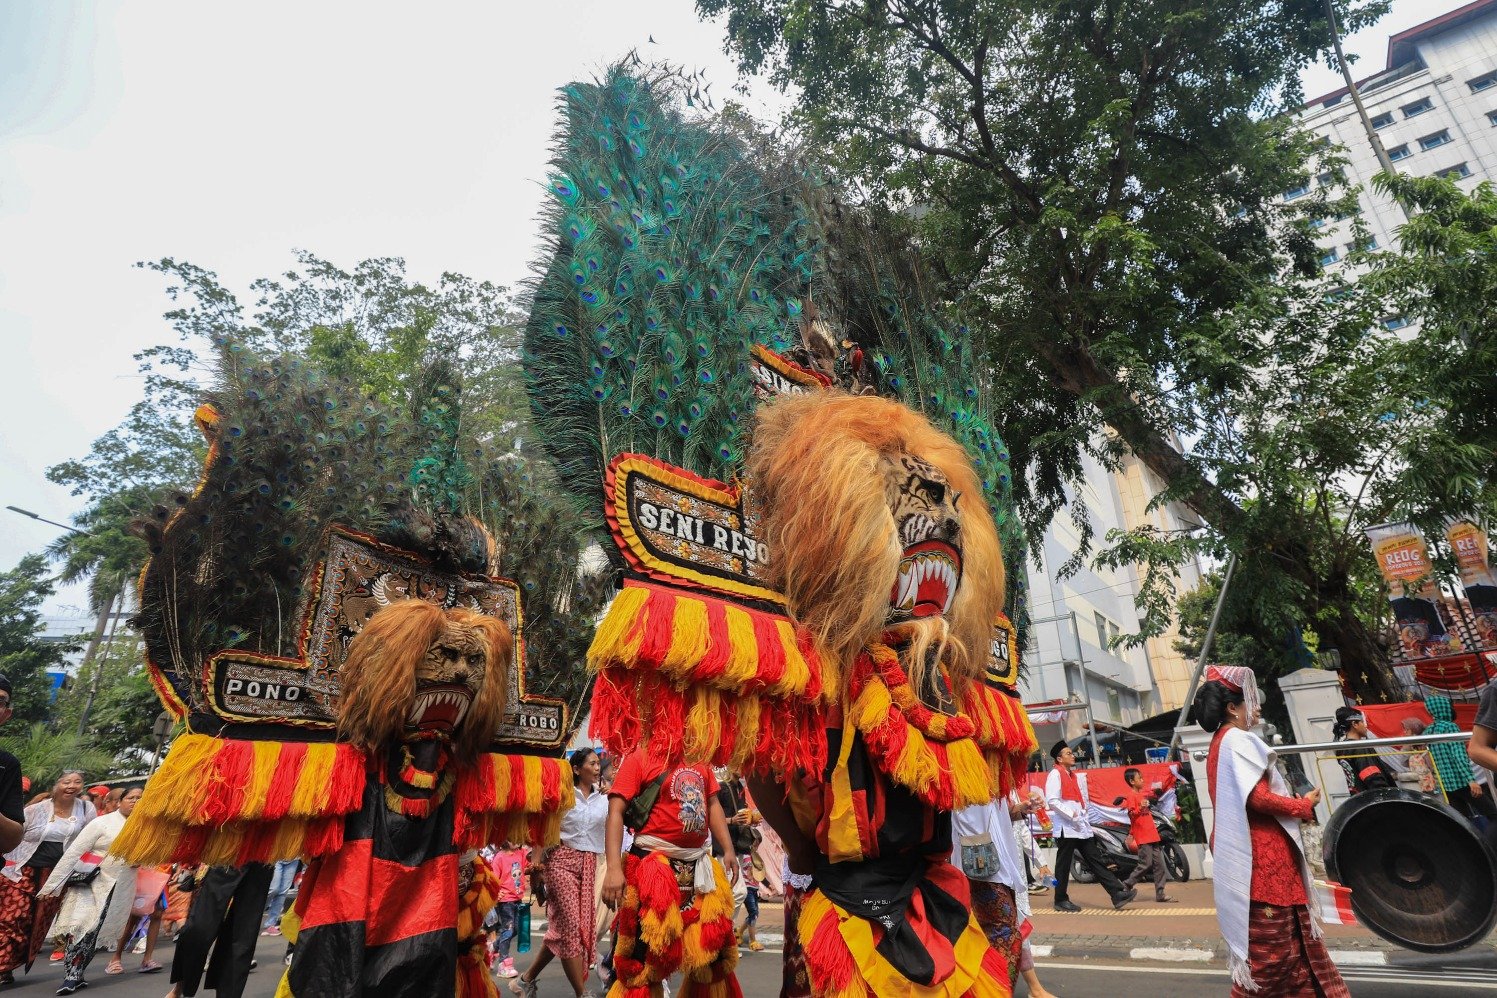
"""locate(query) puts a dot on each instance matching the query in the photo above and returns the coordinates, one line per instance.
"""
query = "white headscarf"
(1240, 679)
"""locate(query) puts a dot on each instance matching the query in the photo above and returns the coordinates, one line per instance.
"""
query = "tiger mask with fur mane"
(417, 672)
(876, 523)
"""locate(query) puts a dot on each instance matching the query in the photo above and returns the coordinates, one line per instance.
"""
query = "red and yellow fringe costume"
(685, 675)
(226, 801)
(943, 761)
(473, 980)
(696, 939)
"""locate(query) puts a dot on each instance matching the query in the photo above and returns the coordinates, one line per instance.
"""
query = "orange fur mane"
(834, 546)
(379, 675)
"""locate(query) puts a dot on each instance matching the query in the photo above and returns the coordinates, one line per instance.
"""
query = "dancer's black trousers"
(1091, 855)
(224, 917)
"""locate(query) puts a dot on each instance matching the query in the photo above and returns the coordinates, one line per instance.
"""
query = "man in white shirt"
(1066, 797)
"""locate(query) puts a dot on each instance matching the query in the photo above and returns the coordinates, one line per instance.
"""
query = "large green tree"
(25, 657)
(1101, 186)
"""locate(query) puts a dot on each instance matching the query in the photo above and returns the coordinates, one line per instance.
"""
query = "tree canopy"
(25, 656)
(1101, 187)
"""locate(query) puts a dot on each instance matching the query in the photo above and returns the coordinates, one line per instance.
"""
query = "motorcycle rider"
(1146, 835)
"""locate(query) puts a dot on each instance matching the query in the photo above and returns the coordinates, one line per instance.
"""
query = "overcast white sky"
(228, 135)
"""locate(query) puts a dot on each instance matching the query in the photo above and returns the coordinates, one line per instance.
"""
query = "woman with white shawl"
(1264, 895)
(96, 905)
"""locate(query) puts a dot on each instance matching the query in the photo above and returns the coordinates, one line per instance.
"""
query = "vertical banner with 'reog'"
(1469, 544)
(1403, 558)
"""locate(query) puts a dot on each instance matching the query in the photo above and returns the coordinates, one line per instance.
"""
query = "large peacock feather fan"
(676, 245)
(291, 452)
(672, 254)
(318, 506)
(680, 248)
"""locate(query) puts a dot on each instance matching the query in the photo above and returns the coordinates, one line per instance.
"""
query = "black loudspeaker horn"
(1420, 875)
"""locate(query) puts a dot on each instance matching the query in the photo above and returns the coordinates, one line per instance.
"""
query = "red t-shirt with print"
(680, 812)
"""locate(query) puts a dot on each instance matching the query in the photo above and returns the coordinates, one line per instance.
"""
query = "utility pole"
(112, 613)
(1195, 679)
(1356, 98)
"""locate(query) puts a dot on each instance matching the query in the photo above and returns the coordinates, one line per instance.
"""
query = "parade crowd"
(62, 890)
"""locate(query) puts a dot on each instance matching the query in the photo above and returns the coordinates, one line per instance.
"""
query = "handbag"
(979, 856)
(149, 884)
(85, 870)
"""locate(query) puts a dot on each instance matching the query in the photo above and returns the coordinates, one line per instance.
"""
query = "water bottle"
(522, 929)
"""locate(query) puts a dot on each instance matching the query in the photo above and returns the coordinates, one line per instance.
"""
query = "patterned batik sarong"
(24, 918)
(993, 905)
(1287, 959)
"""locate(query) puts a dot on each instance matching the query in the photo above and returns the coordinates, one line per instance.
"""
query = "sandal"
(149, 967)
(756, 946)
(115, 967)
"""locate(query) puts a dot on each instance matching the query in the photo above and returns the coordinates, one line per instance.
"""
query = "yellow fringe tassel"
(797, 675)
(616, 641)
(970, 776)
(704, 726)
(689, 638)
(743, 654)
(916, 767)
(266, 754)
(309, 799)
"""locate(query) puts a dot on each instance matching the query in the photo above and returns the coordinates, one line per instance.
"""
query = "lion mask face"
(874, 520)
(449, 678)
(922, 504)
(417, 671)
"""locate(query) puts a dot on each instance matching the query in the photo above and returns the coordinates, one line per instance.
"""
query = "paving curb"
(1346, 953)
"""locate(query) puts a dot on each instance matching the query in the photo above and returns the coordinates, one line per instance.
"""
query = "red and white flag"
(1335, 903)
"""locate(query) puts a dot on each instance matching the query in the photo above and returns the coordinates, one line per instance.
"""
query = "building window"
(1330, 257)
(1436, 139)
(1297, 192)
(1482, 83)
(1101, 630)
(1458, 172)
(1492, 117)
(1399, 152)
(1364, 246)
(1330, 177)
(1417, 108)
(1318, 222)
(1382, 120)
(1392, 322)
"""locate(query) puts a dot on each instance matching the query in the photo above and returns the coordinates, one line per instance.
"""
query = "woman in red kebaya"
(1264, 897)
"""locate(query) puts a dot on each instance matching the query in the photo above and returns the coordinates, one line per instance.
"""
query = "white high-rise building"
(1075, 620)
(1434, 107)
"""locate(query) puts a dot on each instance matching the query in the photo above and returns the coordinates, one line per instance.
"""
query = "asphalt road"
(759, 978)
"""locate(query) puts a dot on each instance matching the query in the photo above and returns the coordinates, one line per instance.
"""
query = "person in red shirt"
(1262, 881)
(1145, 835)
(668, 880)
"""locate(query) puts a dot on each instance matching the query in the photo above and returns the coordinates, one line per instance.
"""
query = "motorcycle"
(1120, 852)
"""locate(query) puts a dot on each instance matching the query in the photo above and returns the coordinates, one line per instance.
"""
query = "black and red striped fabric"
(379, 916)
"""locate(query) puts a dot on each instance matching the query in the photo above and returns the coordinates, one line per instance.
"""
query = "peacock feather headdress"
(694, 270)
(318, 507)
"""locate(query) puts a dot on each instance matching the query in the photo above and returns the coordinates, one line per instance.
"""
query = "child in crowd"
(508, 864)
